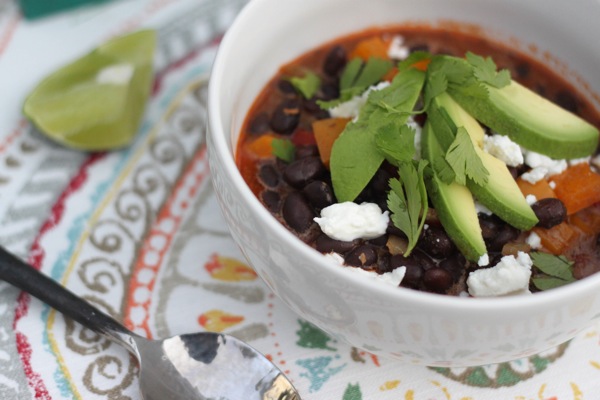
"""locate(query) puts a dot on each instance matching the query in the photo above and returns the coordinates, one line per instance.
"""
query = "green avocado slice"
(500, 193)
(531, 121)
(454, 204)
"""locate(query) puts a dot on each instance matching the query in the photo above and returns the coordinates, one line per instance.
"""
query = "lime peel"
(97, 101)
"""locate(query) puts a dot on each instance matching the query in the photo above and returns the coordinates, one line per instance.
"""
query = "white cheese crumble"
(119, 74)
(510, 276)
(351, 108)
(348, 221)
(484, 260)
(575, 161)
(480, 208)
(530, 199)
(542, 167)
(534, 240)
(397, 50)
(504, 149)
(418, 134)
(552, 184)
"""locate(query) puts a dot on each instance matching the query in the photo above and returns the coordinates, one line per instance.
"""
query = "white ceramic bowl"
(416, 327)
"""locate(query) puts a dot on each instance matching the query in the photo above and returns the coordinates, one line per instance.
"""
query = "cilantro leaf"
(407, 201)
(485, 70)
(557, 270)
(398, 145)
(355, 156)
(464, 160)
(283, 149)
(307, 85)
(436, 83)
(356, 78)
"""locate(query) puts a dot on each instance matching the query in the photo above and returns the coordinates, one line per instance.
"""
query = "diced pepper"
(558, 238)
(577, 187)
(303, 137)
(422, 65)
(390, 74)
(372, 47)
(541, 189)
(261, 147)
(326, 132)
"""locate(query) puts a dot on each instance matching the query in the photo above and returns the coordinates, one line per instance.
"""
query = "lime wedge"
(97, 101)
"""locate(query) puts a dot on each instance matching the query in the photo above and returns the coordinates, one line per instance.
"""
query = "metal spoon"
(200, 366)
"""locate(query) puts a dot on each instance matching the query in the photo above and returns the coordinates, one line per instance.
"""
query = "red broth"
(281, 112)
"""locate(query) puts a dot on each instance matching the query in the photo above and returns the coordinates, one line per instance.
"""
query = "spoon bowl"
(198, 366)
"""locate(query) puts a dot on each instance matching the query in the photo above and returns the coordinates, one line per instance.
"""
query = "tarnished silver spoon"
(199, 366)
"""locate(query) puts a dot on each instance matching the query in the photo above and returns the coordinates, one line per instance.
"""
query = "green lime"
(97, 101)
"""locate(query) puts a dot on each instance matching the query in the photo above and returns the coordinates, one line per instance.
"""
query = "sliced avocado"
(454, 204)
(500, 193)
(531, 121)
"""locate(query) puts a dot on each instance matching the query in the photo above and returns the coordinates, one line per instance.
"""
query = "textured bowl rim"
(558, 296)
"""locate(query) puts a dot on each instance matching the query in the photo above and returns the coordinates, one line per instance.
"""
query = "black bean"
(302, 171)
(260, 123)
(286, 87)
(305, 151)
(550, 212)
(379, 241)
(383, 263)
(435, 241)
(311, 106)
(380, 181)
(490, 226)
(297, 213)
(454, 264)
(412, 277)
(325, 244)
(437, 279)
(268, 175)
(567, 101)
(286, 116)
(362, 256)
(505, 235)
(423, 259)
(523, 69)
(271, 200)
(329, 91)
(319, 194)
(334, 61)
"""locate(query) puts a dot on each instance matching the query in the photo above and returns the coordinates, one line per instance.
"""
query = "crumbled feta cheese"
(484, 260)
(351, 108)
(397, 50)
(418, 134)
(530, 199)
(510, 276)
(534, 240)
(575, 161)
(119, 74)
(542, 167)
(480, 208)
(504, 149)
(552, 184)
(393, 278)
(348, 221)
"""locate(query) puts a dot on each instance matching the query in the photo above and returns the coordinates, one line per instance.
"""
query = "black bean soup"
(295, 191)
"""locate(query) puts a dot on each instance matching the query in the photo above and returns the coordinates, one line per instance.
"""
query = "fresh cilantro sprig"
(356, 77)
(283, 149)
(308, 85)
(355, 156)
(407, 201)
(485, 70)
(557, 270)
(465, 161)
(397, 145)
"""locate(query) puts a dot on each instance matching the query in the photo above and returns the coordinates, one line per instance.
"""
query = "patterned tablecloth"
(138, 233)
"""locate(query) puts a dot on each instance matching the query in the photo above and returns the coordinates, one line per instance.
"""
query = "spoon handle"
(23, 276)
